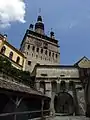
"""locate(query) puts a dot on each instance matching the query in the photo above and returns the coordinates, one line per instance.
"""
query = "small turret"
(5, 37)
(31, 26)
(52, 35)
(39, 26)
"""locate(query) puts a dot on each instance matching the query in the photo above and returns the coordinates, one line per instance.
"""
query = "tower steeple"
(39, 26)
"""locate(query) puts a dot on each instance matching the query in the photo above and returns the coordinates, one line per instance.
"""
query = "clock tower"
(38, 47)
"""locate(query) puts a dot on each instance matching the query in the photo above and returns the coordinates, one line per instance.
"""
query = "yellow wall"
(1, 43)
(16, 54)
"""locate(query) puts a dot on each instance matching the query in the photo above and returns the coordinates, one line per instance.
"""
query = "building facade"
(63, 85)
(8, 51)
(38, 47)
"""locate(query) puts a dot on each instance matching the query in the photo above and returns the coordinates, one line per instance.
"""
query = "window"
(33, 48)
(36, 56)
(18, 60)
(53, 55)
(49, 53)
(37, 49)
(46, 52)
(11, 55)
(28, 47)
(56, 55)
(29, 62)
(41, 50)
(3, 49)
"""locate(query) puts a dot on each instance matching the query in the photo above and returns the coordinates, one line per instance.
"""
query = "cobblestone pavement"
(70, 118)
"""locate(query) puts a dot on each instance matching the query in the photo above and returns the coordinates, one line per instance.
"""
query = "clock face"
(38, 43)
(45, 45)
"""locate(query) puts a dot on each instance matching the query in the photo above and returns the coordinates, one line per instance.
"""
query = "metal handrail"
(25, 112)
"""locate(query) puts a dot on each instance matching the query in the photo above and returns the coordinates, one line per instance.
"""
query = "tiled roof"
(18, 87)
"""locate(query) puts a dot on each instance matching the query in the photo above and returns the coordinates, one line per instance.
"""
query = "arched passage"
(63, 103)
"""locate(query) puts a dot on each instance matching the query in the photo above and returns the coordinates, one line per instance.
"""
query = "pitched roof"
(81, 60)
(19, 87)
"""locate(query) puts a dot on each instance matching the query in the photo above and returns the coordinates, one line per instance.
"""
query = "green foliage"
(20, 76)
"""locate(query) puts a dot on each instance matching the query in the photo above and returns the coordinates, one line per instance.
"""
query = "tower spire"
(39, 26)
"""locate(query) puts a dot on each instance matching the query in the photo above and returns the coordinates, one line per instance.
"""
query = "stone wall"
(59, 79)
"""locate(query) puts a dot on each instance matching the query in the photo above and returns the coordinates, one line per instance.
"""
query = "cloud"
(11, 11)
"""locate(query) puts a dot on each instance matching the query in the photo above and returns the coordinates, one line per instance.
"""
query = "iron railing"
(38, 114)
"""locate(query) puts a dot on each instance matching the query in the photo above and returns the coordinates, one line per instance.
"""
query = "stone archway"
(63, 104)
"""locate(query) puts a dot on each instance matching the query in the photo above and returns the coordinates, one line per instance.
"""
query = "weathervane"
(39, 10)
(51, 29)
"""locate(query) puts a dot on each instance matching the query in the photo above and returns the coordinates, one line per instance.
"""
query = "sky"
(69, 19)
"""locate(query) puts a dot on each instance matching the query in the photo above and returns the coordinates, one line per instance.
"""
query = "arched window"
(54, 86)
(18, 60)
(46, 52)
(53, 55)
(41, 50)
(37, 49)
(49, 53)
(62, 85)
(56, 55)
(3, 49)
(33, 48)
(11, 55)
(28, 47)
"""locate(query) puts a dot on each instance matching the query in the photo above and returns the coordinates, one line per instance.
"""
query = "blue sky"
(70, 20)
